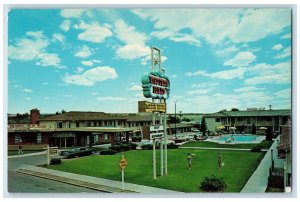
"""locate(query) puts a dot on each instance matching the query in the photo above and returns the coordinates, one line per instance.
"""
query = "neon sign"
(156, 85)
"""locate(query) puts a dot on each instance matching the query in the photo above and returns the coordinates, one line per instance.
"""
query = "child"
(189, 158)
(20, 149)
(219, 159)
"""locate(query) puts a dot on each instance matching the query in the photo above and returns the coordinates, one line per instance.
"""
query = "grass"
(265, 144)
(15, 152)
(239, 166)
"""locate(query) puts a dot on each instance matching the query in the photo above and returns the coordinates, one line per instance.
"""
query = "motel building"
(79, 128)
(76, 128)
(244, 120)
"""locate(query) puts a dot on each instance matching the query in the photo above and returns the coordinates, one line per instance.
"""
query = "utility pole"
(175, 120)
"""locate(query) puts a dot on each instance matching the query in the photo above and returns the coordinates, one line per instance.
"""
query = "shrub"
(108, 152)
(213, 184)
(256, 148)
(172, 146)
(132, 146)
(55, 161)
(117, 148)
(136, 139)
(147, 146)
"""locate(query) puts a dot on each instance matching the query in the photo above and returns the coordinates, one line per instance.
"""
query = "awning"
(263, 128)
(232, 128)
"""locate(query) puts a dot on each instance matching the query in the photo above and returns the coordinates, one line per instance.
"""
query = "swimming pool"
(238, 138)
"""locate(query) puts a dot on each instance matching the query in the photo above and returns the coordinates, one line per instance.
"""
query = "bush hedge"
(213, 184)
(55, 161)
(123, 147)
(108, 152)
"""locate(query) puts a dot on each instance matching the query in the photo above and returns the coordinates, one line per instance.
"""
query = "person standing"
(189, 159)
(219, 159)
(20, 149)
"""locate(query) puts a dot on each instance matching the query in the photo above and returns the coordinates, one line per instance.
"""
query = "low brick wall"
(28, 147)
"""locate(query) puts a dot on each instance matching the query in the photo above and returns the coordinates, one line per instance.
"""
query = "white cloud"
(242, 59)
(87, 63)
(65, 25)
(277, 47)
(84, 52)
(135, 88)
(133, 51)
(94, 93)
(45, 83)
(72, 13)
(248, 89)
(205, 85)
(79, 70)
(110, 98)
(27, 98)
(177, 37)
(58, 37)
(199, 91)
(46, 98)
(225, 51)
(221, 101)
(48, 59)
(285, 53)
(239, 25)
(96, 61)
(226, 74)
(29, 47)
(266, 73)
(190, 39)
(27, 90)
(92, 76)
(146, 60)
(128, 34)
(93, 32)
(286, 36)
(285, 94)
(33, 47)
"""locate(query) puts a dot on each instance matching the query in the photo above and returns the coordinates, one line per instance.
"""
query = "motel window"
(59, 124)
(77, 124)
(39, 138)
(248, 120)
(218, 119)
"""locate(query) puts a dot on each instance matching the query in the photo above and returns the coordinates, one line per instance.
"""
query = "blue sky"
(93, 59)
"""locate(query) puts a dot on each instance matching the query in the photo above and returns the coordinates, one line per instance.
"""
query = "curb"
(89, 185)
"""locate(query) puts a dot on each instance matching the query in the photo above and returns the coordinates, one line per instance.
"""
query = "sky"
(93, 59)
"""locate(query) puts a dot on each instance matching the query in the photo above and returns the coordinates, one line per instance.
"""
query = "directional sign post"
(122, 165)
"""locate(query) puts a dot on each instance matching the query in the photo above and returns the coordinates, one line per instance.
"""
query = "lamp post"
(175, 120)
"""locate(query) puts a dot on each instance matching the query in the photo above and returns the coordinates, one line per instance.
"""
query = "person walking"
(189, 159)
(20, 149)
(219, 159)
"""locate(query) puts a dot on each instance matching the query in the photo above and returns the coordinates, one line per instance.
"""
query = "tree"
(173, 120)
(186, 119)
(269, 135)
(203, 126)
(235, 109)
(253, 129)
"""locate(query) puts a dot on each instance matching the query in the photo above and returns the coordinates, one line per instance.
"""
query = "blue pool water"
(238, 138)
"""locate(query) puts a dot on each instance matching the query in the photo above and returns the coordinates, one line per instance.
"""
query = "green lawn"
(266, 145)
(239, 165)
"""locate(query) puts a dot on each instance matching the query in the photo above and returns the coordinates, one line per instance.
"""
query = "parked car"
(76, 152)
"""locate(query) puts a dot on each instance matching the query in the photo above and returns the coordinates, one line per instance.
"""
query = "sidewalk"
(258, 182)
(223, 148)
(95, 183)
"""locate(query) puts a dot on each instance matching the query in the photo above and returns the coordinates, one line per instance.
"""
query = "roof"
(91, 116)
(253, 113)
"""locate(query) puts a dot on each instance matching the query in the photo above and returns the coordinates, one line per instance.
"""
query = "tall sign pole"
(156, 85)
